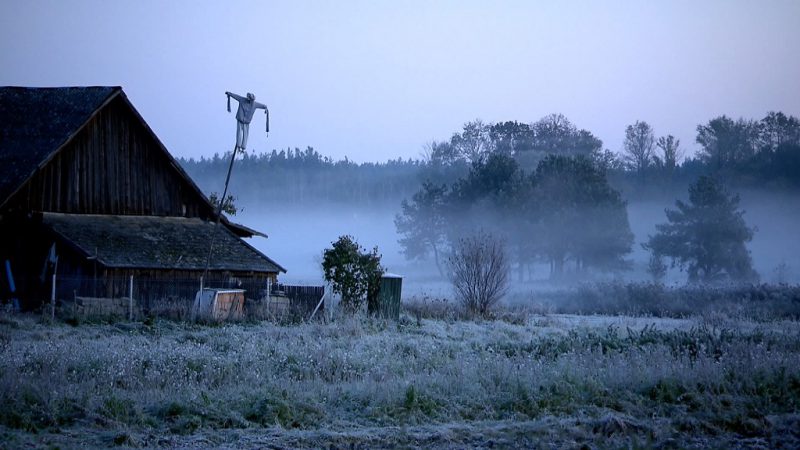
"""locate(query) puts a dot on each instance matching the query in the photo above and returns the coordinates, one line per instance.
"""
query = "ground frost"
(561, 380)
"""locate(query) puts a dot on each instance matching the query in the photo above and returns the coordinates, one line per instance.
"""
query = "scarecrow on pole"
(244, 115)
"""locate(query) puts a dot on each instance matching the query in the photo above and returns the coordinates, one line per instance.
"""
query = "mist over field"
(775, 243)
(298, 235)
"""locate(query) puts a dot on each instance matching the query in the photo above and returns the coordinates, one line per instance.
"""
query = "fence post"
(130, 299)
(53, 299)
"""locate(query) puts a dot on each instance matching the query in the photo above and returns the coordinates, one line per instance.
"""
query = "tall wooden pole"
(130, 298)
(53, 299)
(219, 213)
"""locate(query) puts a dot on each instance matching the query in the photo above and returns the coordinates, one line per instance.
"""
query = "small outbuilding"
(218, 305)
(389, 297)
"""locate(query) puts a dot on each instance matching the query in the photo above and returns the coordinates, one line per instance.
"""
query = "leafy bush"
(353, 272)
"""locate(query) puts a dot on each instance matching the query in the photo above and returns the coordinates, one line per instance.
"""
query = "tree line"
(305, 178)
(545, 189)
(743, 152)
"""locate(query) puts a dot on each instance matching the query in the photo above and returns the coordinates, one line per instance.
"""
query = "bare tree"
(440, 154)
(671, 153)
(473, 142)
(479, 272)
(639, 144)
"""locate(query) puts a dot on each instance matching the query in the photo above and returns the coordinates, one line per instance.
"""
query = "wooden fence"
(303, 298)
(174, 297)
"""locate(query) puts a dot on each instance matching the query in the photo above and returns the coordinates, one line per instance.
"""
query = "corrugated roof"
(35, 122)
(157, 242)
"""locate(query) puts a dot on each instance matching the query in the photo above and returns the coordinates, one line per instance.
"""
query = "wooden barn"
(87, 191)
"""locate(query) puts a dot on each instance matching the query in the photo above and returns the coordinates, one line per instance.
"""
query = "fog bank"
(298, 236)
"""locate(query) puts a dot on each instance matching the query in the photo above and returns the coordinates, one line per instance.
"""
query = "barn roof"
(36, 122)
(149, 242)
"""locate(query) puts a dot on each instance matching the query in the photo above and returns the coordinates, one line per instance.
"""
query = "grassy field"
(524, 379)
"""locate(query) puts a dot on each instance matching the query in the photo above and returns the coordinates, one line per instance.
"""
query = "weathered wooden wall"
(303, 298)
(113, 166)
(26, 244)
(153, 286)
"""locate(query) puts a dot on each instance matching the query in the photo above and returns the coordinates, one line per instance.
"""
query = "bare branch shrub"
(479, 272)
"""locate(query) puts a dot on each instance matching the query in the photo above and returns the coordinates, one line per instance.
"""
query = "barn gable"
(35, 123)
(87, 150)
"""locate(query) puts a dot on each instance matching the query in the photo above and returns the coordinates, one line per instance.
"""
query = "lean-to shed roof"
(149, 242)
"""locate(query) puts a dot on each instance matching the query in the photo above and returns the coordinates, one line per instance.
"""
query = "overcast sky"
(376, 80)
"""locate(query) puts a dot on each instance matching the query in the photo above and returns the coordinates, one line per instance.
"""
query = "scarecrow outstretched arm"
(238, 98)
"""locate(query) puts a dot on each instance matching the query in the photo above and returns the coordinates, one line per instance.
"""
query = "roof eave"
(241, 230)
(280, 267)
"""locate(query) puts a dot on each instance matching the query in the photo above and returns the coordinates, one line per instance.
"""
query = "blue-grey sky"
(376, 80)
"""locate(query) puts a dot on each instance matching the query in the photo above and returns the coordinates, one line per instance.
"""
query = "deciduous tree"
(638, 146)
(726, 142)
(421, 223)
(473, 142)
(777, 129)
(580, 216)
(556, 135)
(670, 153)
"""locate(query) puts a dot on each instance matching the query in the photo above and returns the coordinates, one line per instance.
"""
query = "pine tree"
(706, 236)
